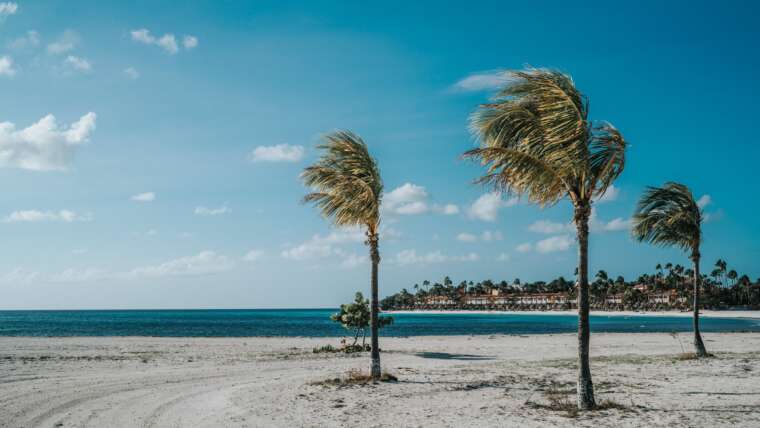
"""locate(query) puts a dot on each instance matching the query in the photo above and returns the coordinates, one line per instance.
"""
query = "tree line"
(722, 288)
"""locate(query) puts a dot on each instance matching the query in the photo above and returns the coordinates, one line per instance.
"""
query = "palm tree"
(537, 141)
(348, 188)
(669, 216)
(721, 265)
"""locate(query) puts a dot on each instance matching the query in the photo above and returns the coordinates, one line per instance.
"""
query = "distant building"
(440, 301)
(641, 287)
(614, 299)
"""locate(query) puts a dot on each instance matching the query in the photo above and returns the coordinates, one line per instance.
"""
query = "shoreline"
(738, 314)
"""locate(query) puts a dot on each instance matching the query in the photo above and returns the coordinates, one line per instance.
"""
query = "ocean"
(316, 323)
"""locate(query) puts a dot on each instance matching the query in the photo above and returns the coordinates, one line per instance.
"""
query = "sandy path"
(444, 381)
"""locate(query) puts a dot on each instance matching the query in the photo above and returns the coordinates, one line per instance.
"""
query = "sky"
(150, 151)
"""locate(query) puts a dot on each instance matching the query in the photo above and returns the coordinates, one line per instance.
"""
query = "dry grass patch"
(688, 356)
(355, 377)
(563, 401)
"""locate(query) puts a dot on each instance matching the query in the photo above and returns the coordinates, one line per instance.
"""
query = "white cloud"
(68, 41)
(43, 146)
(704, 201)
(6, 67)
(189, 42)
(610, 195)
(595, 225)
(167, 42)
(351, 260)
(487, 206)
(412, 199)
(78, 64)
(131, 73)
(276, 153)
(448, 209)
(7, 9)
(323, 246)
(410, 257)
(144, 197)
(503, 257)
(549, 227)
(151, 232)
(30, 216)
(253, 256)
(30, 40)
(205, 211)
(79, 275)
(19, 275)
(524, 247)
(205, 262)
(488, 80)
(486, 236)
(555, 243)
(467, 237)
(406, 199)
(617, 224)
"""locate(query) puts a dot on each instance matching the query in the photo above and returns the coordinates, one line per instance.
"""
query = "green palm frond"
(346, 181)
(536, 140)
(607, 157)
(668, 216)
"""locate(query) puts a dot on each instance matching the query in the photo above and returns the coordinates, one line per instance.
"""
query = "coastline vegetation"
(667, 287)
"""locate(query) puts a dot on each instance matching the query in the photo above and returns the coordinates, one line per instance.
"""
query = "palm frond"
(346, 181)
(517, 172)
(535, 139)
(607, 158)
(668, 216)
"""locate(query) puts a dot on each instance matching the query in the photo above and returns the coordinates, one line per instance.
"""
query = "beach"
(645, 379)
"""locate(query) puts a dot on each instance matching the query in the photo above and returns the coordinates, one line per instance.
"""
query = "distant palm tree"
(732, 275)
(348, 188)
(669, 216)
(721, 265)
(537, 141)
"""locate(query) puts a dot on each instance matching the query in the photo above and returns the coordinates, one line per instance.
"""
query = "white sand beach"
(706, 313)
(446, 381)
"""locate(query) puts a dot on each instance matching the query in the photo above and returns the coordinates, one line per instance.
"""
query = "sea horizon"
(316, 322)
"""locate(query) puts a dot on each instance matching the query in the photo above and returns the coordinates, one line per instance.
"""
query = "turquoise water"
(316, 323)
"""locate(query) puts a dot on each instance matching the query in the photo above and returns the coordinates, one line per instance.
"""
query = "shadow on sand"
(448, 356)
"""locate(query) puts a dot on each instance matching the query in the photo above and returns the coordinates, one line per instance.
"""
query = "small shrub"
(348, 349)
(325, 349)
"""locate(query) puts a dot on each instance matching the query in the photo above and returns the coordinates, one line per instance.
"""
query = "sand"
(442, 381)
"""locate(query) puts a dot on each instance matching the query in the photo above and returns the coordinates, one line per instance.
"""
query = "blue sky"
(150, 151)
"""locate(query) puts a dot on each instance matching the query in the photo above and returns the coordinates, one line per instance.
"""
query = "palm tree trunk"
(585, 386)
(375, 257)
(698, 343)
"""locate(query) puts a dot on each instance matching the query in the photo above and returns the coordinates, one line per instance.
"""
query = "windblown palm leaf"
(668, 216)
(536, 140)
(346, 182)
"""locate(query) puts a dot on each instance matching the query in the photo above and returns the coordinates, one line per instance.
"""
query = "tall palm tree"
(347, 187)
(536, 140)
(669, 216)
